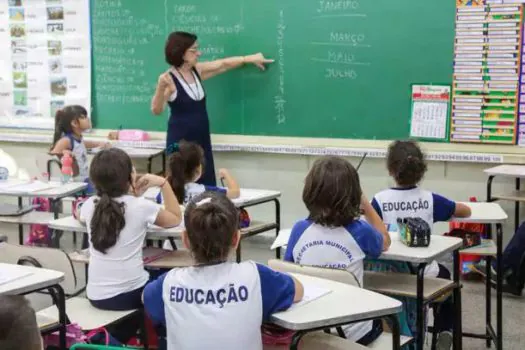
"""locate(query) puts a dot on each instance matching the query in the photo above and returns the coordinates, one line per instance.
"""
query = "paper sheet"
(29, 187)
(10, 273)
(311, 293)
(282, 239)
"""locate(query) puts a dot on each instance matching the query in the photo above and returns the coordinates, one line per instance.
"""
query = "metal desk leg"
(296, 339)
(488, 303)
(61, 316)
(420, 318)
(489, 199)
(499, 288)
(517, 208)
(20, 226)
(278, 224)
(458, 331)
(55, 234)
(396, 333)
(164, 163)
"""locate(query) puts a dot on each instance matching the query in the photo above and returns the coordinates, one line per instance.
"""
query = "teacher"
(181, 88)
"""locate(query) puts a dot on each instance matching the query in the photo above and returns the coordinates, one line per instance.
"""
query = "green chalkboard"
(343, 68)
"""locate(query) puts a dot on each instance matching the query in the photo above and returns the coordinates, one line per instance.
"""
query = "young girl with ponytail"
(70, 123)
(186, 166)
(117, 219)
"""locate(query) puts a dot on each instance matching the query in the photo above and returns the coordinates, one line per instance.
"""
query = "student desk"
(142, 153)
(70, 224)
(249, 198)
(517, 172)
(491, 214)
(398, 251)
(33, 279)
(55, 193)
(337, 309)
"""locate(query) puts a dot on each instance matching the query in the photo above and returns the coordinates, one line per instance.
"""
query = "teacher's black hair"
(176, 46)
(183, 165)
(406, 163)
(111, 173)
(332, 192)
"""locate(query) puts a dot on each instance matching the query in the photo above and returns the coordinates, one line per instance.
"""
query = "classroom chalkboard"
(343, 67)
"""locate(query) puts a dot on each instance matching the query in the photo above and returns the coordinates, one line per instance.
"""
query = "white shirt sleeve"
(86, 211)
(150, 210)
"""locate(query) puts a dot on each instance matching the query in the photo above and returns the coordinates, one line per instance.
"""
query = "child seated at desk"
(117, 221)
(217, 304)
(18, 326)
(70, 123)
(406, 164)
(186, 166)
(333, 236)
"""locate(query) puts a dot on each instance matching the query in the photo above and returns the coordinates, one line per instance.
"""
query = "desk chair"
(78, 309)
(384, 341)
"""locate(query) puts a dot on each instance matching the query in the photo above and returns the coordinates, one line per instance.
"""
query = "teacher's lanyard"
(196, 95)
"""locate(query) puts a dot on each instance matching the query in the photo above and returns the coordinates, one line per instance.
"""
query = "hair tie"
(203, 201)
(174, 147)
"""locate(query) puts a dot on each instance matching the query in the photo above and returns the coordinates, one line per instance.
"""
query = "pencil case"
(414, 232)
(129, 135)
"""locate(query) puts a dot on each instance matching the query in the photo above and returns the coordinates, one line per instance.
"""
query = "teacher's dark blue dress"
(189, 121)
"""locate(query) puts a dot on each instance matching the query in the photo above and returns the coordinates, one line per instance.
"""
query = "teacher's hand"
(258, 60)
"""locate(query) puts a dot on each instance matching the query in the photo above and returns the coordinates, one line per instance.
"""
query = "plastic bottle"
(67, 168)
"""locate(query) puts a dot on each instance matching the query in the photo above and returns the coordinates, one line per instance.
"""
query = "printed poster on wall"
(430, 107)
(45, 60)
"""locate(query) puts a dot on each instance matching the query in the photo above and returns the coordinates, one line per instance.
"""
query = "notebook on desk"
(311, 293)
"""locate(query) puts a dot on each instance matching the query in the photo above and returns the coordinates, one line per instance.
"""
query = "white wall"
(286, 173)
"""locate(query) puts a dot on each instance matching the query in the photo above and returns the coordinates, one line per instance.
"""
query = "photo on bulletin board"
(429, 112)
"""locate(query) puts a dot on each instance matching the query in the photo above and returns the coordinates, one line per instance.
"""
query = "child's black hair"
(211, 220)
(63, 119)
(183, 165)
(18, 325)
(406, 163)
(111, 174)
(332, 192)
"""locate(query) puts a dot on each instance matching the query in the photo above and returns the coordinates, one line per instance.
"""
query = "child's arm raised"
(376, 222)
(233, 189)
(170, 216)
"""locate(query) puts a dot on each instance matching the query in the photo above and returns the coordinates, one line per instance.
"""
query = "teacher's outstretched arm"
(210, 69)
